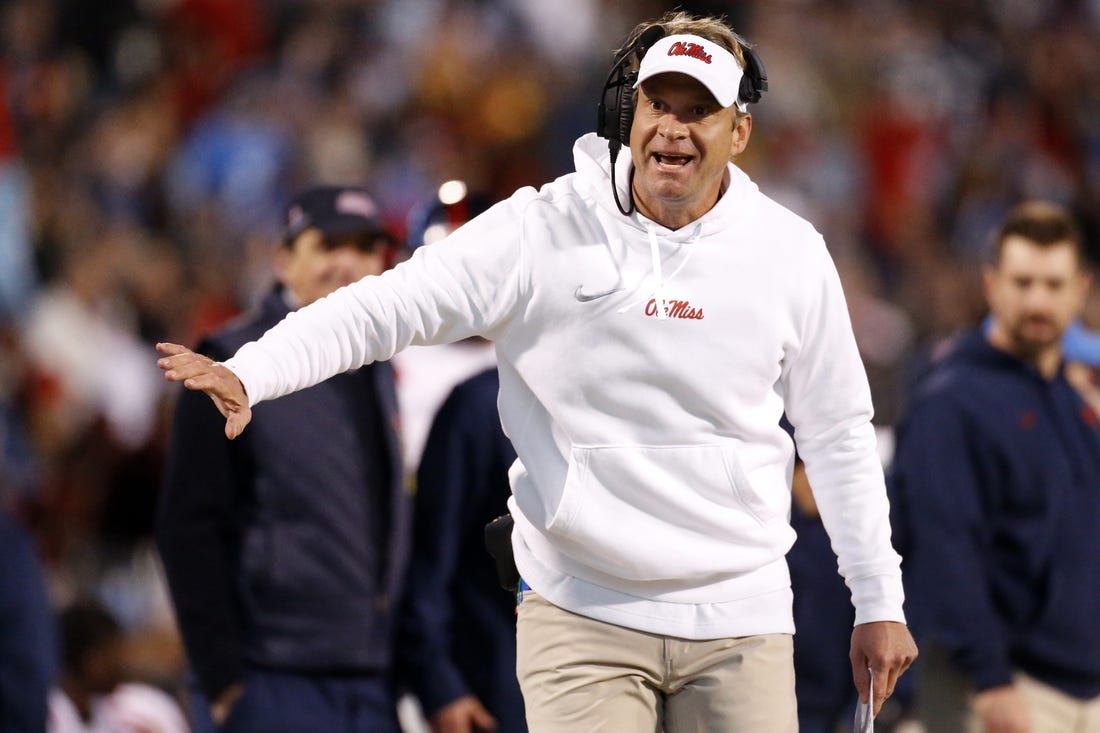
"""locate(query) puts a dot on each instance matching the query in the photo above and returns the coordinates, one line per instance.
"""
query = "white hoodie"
(652, 488)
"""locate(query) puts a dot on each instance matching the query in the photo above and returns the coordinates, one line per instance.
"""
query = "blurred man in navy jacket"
(285, 549)
(997, 487)
(458, 644)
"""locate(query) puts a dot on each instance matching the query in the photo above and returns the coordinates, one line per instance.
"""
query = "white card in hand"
(865, 715)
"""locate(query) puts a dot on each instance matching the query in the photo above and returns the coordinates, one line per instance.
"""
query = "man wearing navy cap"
(284, 552)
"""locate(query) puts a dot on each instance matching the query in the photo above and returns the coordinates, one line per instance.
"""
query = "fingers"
(201, 373)
(205, 379)
(861, 676)
(198, 372)
(223, 706)
(464, 715)
(483, 720)
(170, 349)
(185, 365)
(890, 677)
(884, 649)
(886, 674)
(236, 422)
(885, 678)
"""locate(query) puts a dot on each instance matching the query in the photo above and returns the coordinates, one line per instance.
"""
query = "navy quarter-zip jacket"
(286, 548)
(996, 491)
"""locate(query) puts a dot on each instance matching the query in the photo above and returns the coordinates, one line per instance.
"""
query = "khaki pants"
(578, 674)
(944, 697)
(1053, 710)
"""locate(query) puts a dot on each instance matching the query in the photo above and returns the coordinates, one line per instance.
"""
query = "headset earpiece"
(615, 113)
(754, 82)
(626, 107)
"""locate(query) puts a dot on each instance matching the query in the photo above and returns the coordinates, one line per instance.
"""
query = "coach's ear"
(742, 130)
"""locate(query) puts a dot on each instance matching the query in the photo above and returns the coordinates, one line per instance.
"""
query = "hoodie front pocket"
(654, 512)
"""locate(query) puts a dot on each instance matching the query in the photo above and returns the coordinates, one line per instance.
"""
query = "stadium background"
(146, 147)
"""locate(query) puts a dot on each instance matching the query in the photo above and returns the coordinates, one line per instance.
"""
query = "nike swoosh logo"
(584, 297)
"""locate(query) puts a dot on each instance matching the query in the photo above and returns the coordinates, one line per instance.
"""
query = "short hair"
(680, 22)
(1043, 223)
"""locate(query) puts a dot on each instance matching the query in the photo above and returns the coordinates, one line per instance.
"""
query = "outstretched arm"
(201, 373)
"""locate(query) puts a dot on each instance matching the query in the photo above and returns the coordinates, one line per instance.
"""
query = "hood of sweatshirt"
(592, 159)
(593, 163)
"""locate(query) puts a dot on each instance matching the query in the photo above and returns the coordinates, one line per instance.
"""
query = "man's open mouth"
(665, 159)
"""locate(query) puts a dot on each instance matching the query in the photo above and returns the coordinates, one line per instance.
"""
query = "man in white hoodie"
(653, 317)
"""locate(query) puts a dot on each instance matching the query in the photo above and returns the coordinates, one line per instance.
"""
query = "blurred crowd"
(147, 147)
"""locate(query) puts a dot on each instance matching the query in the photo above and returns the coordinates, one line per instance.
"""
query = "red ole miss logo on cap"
(694, 50)
(353, 202)
(294, 216)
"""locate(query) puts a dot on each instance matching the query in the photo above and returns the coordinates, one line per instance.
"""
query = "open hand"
(198, 372)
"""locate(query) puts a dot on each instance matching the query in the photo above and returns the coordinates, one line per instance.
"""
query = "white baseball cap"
(706, 61)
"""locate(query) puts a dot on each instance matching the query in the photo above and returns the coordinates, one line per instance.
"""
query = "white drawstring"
(659, 287)
(659, 290)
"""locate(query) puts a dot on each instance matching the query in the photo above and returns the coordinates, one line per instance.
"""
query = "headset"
(615, 112)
